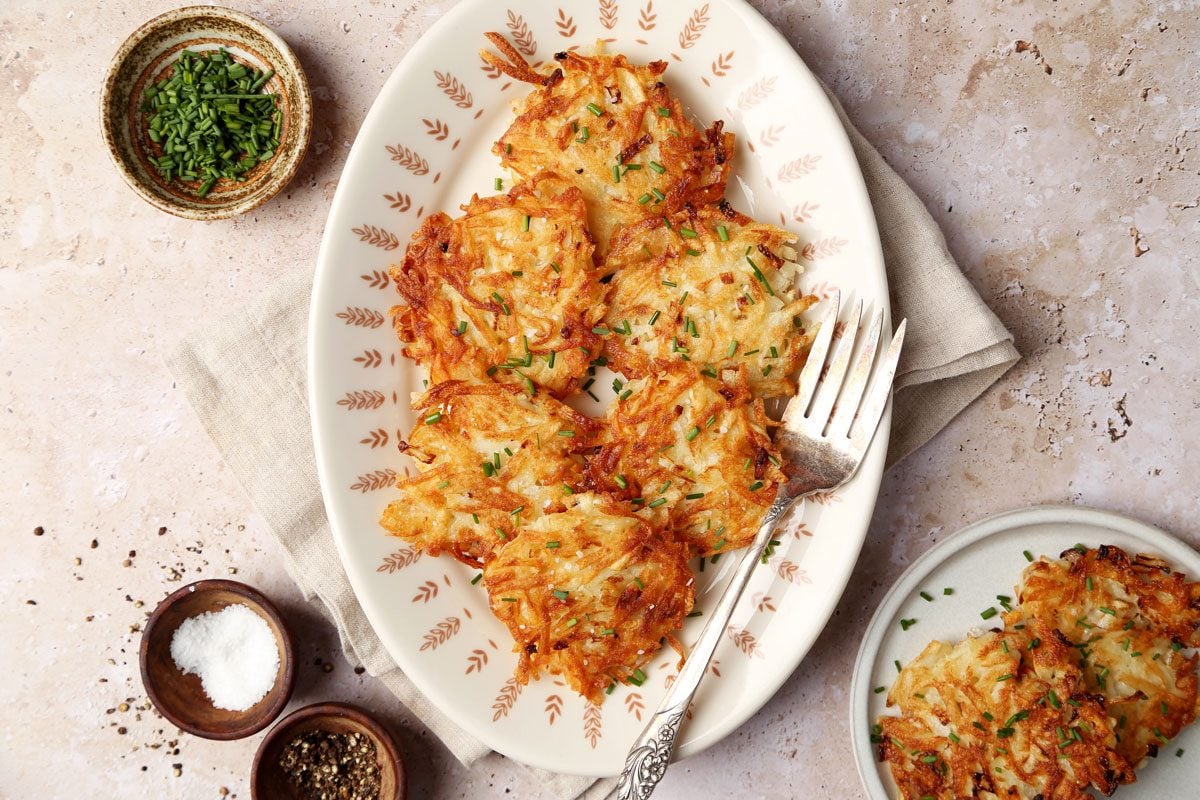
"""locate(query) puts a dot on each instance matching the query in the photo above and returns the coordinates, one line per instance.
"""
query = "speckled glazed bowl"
(148, 53)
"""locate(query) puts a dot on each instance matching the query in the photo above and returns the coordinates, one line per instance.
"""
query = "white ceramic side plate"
(425, 146)
(978, 563)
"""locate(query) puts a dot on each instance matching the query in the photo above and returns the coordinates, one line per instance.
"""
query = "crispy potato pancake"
(992, 717)
(614, 129)
(693, 454)
(588, 593)
(491, 457)
(509, 283)
(720, 289)
(1130, 617)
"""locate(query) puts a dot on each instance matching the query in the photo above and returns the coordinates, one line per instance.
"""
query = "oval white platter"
(425, 146)
(979, 562)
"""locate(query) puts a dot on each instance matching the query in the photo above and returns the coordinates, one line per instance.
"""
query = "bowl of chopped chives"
(206, 112)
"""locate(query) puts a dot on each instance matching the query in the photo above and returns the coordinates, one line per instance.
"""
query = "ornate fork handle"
(651, 753)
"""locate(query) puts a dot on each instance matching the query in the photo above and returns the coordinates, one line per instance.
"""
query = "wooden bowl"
(179, 697)
(148, 53)
(267, 780)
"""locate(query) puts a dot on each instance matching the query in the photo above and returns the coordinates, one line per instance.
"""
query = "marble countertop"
(1056, 144)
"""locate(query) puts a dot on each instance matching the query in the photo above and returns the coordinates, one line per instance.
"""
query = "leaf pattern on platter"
(647, 18)
(823, 248)
(506, 699)
(369, 359)
(453, 88)
(377, 279)
(374, 481)
(441, 633)
(797, 168)
(608, 14)
(361, 317)
(565, 24)
(476, 661)
(521, 35)
(553, 708)
(694, 27)
(369, 399)
(409, 159)
(404, 557)
(425, 592)
(377, 237)
(592, 723)
(634, 705)
(745, 641)
(758, 91)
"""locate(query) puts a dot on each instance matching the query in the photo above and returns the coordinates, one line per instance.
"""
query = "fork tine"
(852, 392)
(868, 419)
(827, 392)
(807, 384)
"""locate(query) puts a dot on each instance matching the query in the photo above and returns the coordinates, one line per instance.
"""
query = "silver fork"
(824, 441)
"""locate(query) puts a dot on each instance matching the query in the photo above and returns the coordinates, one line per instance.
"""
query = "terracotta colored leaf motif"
(647, 19)
(608, 13)
(361, 317)
(824, 498)
(404, 557)
(823, 248)
(376, 438)
(745, 641)
(377, 237)
(400, 202)
(374, 481)
(565, 24)
(553, 707)
(357, 401)
(377, 279)
(441, 633)
(695, 26)
(453, 88)
(802, 530)
(408, 159)
(522, 36)
(493, 72)
(798, 167)
(437, 129)
(591, 724)
(369, 359)
(791, 572)
(804, 211)
(426, 592)
(634, 705)
(506, 699)
(722, 64)
(770, 135)
(823, 290)
(713, 667)
(476, 661)
(762, 602)
(759, 91)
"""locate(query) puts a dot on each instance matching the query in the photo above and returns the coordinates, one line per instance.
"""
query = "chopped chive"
(554, 266)
(658, 502)
(620, 481)
(567, 433)
(502, 534)
(608, 632)
(525, 222)
(1028, 556)
(442, 484)
(657, 194)
(475, 518)
(1005, 677)
(616, 173)
(595, 109)
(654, 317)
(488, 469)
(1179, 753)
(1110, 611)
(1080, 547)
(1035, 643)
(477, 579)
(692, 433)
(947, 591)
(625, 394)
(560, 594)
(583, 134)
(499, 184)
(572, 622)
(754, 487)
(672, 284)
(644, 199)
(722, 233)
(879, 689)
(462, 327)
(1088, 582)
(927, 597)
(897, 663)
(767, 370)
(719, 543)
(662, 489)
(639, 583)
(516, 273)
(760, 277)
(663, 111)
(687, 233)
(696, 614)
(733, 346)
(708, 423)
(550, 359)
(692, 252)
(989, 613)
(600, 331)
(905, 624)
(567, 489)
(433, 418)
(509, 599)
(610, 688)
(694, 496)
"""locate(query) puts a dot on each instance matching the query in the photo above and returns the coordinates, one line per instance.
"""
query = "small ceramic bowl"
(148, 55)
(179, 697)
(267, 779)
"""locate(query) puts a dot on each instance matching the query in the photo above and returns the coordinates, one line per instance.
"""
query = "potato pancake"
(690, 452)
(998, 716)
(1130, 618)
(589, 593)
(615, 130)
(491, 457)
(509, 287)
(713, 286)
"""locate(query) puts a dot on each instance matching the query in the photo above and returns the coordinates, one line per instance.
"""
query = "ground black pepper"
(321, 765)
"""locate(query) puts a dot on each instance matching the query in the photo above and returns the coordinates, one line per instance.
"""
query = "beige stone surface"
(1055, 142)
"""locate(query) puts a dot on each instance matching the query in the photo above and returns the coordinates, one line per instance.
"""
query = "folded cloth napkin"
(245, 379)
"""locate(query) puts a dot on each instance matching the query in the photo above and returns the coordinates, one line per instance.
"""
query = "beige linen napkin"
(245, 379)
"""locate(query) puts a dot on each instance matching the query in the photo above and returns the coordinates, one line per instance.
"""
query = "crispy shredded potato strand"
(477, 424)
(1124, 627)
(517, 270)
(681, 433)
(588, 593)
(708, 297)
(593, 114)
(1012, 741)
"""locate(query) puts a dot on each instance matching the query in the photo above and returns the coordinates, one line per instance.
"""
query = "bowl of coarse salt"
(217, 660)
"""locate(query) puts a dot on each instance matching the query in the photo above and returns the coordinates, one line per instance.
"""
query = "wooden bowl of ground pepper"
(328, 751)
(206, 112)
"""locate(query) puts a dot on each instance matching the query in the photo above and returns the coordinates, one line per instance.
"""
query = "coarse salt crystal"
(232, 651)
